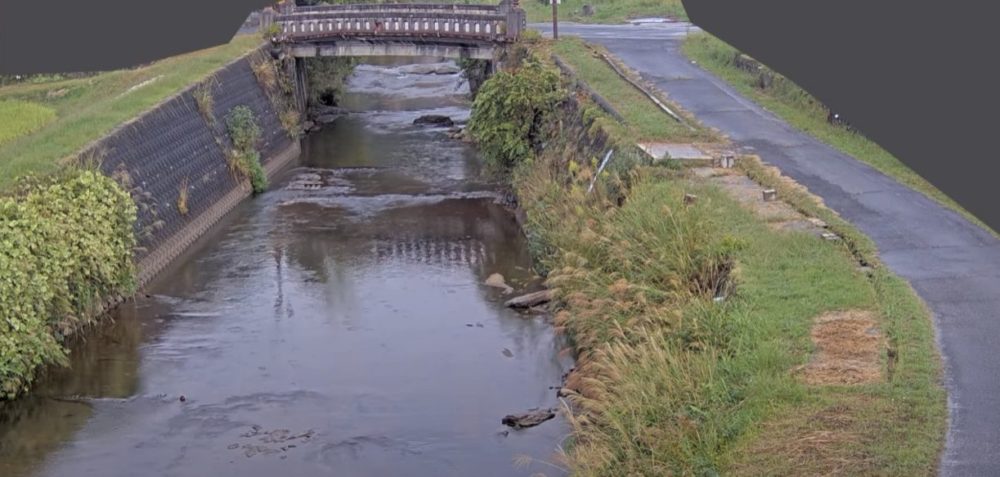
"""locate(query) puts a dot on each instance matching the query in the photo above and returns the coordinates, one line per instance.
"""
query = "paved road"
(953, 264)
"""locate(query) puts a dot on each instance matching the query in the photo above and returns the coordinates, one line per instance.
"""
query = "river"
(336, 325)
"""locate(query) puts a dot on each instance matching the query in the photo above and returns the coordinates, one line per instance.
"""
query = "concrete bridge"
(399, 29)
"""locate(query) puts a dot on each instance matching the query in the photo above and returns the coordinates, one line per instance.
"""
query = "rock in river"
(434, 120)
(497, 281)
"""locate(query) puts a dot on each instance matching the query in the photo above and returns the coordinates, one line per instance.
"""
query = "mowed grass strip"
(604, 11)
(644, 119)
(19, 118)
(801, 110)
(88, 108)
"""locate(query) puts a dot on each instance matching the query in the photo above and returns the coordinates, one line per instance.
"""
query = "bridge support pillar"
(301, 84)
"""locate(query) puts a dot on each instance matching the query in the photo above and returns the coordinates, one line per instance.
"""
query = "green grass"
(671, 382)
(605, 11)
(643, 118)
(22, 118)
(804, 112)
(88, 108)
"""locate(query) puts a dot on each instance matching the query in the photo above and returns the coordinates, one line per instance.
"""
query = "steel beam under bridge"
(390, 48)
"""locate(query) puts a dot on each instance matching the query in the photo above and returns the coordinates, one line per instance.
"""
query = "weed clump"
(245, 133)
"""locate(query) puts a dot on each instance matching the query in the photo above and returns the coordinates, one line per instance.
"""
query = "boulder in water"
(497, 281)
(434, 120)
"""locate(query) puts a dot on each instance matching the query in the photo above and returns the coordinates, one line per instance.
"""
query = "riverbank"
(707, 337)
(136, 165)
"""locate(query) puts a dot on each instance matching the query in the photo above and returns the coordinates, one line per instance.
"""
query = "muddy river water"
(341, 329)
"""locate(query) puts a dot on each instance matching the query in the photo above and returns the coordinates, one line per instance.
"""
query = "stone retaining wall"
(175, 147)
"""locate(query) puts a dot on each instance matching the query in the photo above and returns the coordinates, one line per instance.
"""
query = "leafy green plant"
(66, 245)
(325, 77)
(510, 110)
(245, 134)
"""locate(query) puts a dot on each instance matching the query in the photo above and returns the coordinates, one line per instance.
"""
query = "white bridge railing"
(408, 22)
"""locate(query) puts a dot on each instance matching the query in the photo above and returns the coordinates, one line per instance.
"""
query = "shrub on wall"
(66, 245)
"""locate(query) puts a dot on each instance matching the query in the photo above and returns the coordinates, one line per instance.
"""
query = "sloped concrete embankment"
(173, 160)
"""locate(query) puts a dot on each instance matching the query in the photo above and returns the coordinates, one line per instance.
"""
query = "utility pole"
(555, 19)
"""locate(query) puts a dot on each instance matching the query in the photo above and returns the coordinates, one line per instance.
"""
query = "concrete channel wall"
(174, 157)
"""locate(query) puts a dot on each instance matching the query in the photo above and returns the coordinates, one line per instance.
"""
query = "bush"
(65, 245)
(509, 112)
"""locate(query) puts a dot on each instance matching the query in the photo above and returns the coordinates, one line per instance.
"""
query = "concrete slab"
(681, 152)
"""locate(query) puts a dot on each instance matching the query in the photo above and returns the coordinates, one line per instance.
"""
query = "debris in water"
(528, 419)
(531, 299)
(508, 353)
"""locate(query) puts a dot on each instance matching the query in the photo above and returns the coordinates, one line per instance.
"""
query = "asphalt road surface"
(953, 264)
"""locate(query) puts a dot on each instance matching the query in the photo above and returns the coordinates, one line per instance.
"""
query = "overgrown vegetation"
(509, 111)
(689, 317)
(245, 133)
(793, 104)
(280, 91)
(326, 79)
(22, 118)
(90, 107)
(65, 246)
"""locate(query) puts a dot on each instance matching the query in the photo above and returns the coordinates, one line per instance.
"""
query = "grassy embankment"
(643, 119)
(801, 110)
(87, 108)
(605, 11)
(670, 380)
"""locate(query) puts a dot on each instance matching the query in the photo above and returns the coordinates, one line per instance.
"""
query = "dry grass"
(829, 440)
(206, 102)
(182, 197)
(848, 349)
